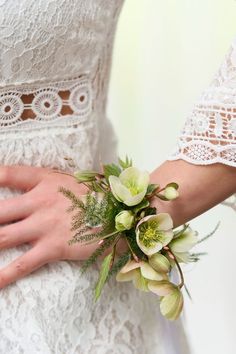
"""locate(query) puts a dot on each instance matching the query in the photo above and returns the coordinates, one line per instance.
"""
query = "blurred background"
(166, 53)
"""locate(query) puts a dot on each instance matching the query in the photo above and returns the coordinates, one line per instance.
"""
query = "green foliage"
(76, 202)
(111, 169)
(151, 188)
(162, 197)
(131, 239)
(195, 257)
(97, 253)
(172, 184)
(188, 292)
(210, 234)
(106, 264)
(122, 260)
(144, 204)
(125, 164)
(180, 231)
(150, 211)
(96, 187)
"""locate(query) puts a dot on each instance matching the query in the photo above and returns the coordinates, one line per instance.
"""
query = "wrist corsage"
(118, 206)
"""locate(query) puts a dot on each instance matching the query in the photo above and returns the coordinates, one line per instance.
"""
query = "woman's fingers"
(21, 176)
(16, 208)
(13, 235)
(23, 265)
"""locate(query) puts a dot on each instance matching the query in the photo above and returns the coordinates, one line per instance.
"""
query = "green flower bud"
(124, 220)
(159, 262)
(171, 193)
(172, 305)
(85, 175)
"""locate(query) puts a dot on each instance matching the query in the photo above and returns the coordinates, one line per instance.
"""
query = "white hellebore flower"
(182, 244)
(138, 272)
(130, 187)
(153, 232)
(124, 220)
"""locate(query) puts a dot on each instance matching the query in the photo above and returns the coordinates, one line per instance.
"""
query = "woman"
(55, 63)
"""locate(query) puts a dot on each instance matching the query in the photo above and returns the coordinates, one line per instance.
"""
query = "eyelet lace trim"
(46, 102)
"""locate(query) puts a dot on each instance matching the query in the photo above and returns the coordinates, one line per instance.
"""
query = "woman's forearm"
(200, 187)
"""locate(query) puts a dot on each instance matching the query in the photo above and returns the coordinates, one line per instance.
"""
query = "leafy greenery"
(122, 260)
(103, 275)
(111, 170)
(97, 253)
(125, 164)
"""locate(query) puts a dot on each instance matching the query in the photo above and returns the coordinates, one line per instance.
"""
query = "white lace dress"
(47, 48)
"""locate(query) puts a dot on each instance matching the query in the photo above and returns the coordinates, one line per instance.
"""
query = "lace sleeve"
(209, 134)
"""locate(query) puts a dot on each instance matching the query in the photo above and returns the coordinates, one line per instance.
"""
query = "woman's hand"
(40, 219)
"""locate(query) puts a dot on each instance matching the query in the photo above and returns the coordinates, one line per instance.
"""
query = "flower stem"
(132, 252)
(114, 251)
(62, 172)
(102, 237)
(172, 256)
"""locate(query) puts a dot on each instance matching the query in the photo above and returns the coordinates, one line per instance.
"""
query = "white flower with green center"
(182, 244)
(140, 273)
(124, 220)
(153, 232)
(130, 187)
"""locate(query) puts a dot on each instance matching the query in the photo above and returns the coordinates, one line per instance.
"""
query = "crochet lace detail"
(209, 134)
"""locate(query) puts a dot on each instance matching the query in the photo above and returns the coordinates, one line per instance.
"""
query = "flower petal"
(133, 176)
(127, 276)
(161, 288)
(148, 250)
(143, 180)
(165, 221)
(130, 265)
(172, 304)
(149, 273)
(119, 191)
(135, 199)
(167, 237)
(184, 242)
(182, 256)
(140, 282)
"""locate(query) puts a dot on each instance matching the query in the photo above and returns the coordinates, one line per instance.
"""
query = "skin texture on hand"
(200, 188)
(38, 217)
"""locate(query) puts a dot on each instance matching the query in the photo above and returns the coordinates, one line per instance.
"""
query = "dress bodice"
(48, 47)
(53, 40)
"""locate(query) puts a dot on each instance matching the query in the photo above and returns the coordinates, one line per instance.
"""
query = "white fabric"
(48, 46)
(209, 134)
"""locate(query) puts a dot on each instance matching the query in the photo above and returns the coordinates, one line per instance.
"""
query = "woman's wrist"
(200, 188)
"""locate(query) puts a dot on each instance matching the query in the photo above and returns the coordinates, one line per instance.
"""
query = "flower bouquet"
(118, 206)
